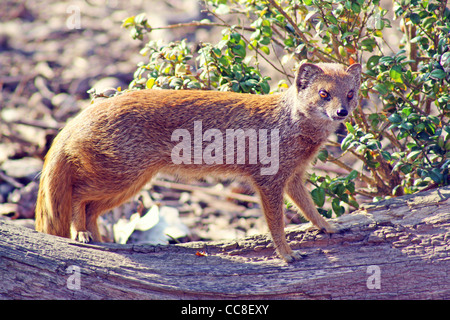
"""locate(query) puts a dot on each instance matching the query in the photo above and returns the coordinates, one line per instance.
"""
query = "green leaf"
(140, 18)
(264, 41)
(337, 208)
(434, 119)
(415, 18)
(356, 8)
(438, 74)
(395, 118)
(322, 155)
(325, 213)
(379, 24)
(374, 145)
(435, 175)
(331, 18)
(352, 175)
(318, 196)
(127, 22)
(351, 188)
(386, 60)
(150, 83)
(407, 125)
(235, 86)
(239, 50)
(407, 111)
(265, 87)
(354, 204)
(368, 44)
(236, 37)
(266, 30)
(413, 154)
(251, 82)
(217, 52)
(224, 61)
(194, 85)
(413, 116)
(386, 155)
(288, 42)
(334, 29)
(428, 22)
(176, 82)
(381, 88)
(338, 188)
(419, 127)
(346, 142)
(396, 74)
(265, 49)
(350, 127)
(373, 61)
(406, 168)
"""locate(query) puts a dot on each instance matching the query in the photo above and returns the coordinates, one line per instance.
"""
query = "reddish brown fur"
(111, 149)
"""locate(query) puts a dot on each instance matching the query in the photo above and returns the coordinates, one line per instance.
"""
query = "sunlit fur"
(109, 151)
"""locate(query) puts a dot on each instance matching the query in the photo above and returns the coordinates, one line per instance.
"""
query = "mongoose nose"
(342, 113)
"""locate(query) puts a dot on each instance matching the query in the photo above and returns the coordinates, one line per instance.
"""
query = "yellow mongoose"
(109, 151)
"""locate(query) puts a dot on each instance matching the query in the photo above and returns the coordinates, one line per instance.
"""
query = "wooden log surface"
(395, 249)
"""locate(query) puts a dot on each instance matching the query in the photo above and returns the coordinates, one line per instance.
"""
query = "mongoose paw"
(291, 257)
(328, 228)
(83, 236)
(325, 228)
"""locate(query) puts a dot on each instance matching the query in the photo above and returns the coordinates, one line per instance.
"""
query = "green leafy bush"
(397, 141)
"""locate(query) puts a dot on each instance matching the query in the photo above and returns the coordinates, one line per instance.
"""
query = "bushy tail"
(54, 202)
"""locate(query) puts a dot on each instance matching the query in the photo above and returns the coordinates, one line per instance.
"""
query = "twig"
(248, 42)
(38, 124)
(187, 187)
(11, 181)
(317, 52)
(339, 163)
(199, 24)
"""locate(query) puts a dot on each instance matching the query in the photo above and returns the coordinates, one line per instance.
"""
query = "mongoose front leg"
(272, 203)
(298, 193)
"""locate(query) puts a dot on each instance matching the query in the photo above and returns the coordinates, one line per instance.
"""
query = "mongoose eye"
(350, 94)
(323, 94)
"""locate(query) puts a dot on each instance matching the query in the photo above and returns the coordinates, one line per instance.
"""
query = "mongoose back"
(108, 152)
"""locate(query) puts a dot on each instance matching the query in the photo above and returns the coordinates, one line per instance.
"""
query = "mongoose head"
(327, 91)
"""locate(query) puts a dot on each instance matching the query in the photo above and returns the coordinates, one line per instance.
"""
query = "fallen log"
(394, 249)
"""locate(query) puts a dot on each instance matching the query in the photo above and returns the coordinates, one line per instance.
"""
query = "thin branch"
(317, 52)
(245, 39)
(219, 193)
(339, 163)
(200, 24)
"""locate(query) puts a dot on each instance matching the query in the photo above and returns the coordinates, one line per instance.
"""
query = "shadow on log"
(395, 249)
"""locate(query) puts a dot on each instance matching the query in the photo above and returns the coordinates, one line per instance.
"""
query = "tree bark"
(395, 249)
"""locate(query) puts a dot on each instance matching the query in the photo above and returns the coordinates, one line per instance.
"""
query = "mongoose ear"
(306, 73)
(355, 71)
